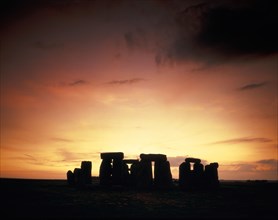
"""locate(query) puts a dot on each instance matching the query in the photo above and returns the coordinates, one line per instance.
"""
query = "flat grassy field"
(43, 199)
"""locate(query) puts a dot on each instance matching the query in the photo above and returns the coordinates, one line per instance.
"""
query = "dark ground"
(41, 199)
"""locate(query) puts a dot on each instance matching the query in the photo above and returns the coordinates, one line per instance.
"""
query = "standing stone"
(125, 178)
(70, 178)
(134, 170)
(86, 167)
(111, 170)
(162, 174)
(144, 180)
(184, 175)
(105, 172)
(211, 176)
(215, 181)
(79, 179)
(198, 170)
(117, 171)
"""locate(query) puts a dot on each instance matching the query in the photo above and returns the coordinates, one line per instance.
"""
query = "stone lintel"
(112, 155)
(153, 157)
(192, 160)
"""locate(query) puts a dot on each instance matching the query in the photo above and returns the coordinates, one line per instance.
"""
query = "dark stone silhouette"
(197, 177)
(198, 174)
(129, 174)
(115, 170)
(134, 172)
(86, 167)
(112, 155)
(144, 174)
(162, 171)
(192, 160)
(153, 157)
(162, 174)
(80, 176)
(211, 176)
(184, 175)
(111, 169)
(105, 172)
(70, 178)
(79, 179)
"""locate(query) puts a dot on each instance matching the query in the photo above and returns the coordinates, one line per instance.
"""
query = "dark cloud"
(261, 165)
(241, 30)
(78, 82)
(126, 81)
(252, 86)
(269, 162)
(243, 140)
(48, 45)
(216, 31)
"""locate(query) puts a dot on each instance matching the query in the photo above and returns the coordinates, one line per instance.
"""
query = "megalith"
(211, 175)
(191, 178)
(70, 178)
(162, 172)
(111, 168)
(86, 167)
(79, 179)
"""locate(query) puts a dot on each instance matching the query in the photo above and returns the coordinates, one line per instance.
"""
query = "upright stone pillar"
(70, 178)
(144, 180)
(86, 167)
(129, 175)
(198, 170)
(117, 171)
(105, 172)
(111, 168)
(162, 171)
(184, 175)
(79, 179)
(134, 173)
(211, 175)
(162, 174)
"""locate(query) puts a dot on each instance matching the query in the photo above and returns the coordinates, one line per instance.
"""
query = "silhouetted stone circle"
(115, 170)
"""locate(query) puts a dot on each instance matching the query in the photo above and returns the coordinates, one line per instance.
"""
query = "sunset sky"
(181, 78)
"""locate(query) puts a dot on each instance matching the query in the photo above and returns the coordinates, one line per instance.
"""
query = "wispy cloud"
(252, 86)
(78, 82)
(30, 157)
(243, 140)
(261, 165)
(126, 81)
(269, 161)
(61, 139)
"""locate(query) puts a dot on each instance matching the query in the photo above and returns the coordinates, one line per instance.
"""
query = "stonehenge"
(151, 171)
(162, 173)
(80, 176)
(111, 168)
(198, 177)
(114, 170)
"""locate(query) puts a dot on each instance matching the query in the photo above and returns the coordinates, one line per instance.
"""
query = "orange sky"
(80, 78)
